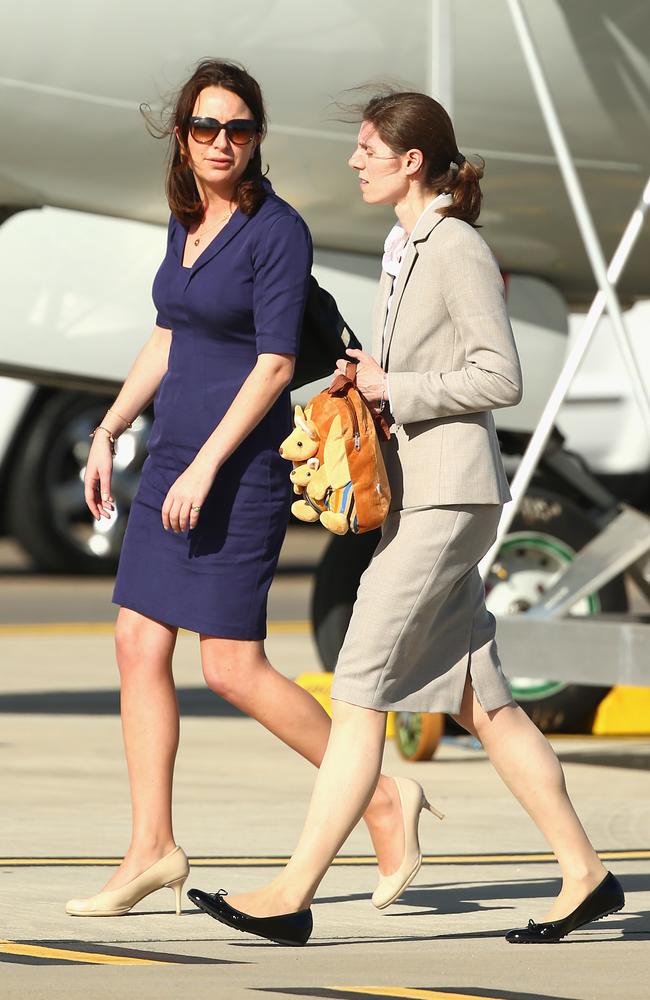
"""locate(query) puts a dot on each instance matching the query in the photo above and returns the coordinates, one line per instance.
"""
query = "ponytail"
(464, 187)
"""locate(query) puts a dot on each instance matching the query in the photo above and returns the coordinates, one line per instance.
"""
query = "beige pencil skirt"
(419, 623)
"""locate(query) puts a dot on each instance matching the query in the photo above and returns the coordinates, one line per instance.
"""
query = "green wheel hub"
(528, 564)
(408, 726)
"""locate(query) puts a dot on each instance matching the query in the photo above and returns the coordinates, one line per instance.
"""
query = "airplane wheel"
(46, 510)
(543, 539)
(418, 734)
(335, 590)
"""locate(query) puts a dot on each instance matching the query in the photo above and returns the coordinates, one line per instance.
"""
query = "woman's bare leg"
(150, 727)
(344, 786)
(526, 763)
(240, 672)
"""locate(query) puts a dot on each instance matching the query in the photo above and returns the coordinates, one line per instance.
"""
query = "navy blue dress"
(245, 295)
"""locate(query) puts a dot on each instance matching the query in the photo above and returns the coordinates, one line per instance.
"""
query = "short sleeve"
(162, 317)
(281, 280)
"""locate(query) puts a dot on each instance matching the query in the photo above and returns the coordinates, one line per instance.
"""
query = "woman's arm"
(268, 379)
(138, 390)
(281, 268)
(491, 376)
(143, 379)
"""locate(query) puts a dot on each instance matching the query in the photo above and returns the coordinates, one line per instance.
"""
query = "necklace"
(224, 218)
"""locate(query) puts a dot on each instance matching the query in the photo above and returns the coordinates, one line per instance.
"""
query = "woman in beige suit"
(420, 638)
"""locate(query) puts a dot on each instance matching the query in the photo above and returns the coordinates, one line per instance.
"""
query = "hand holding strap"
(343, 381)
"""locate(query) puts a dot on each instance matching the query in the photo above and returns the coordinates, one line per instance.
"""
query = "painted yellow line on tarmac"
(412, 994)
(352, 860)
(289, 627)
(66, 955)
(106, 628)
(58, 628)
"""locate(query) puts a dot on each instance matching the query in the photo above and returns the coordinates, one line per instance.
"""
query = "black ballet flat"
(289, 928)
(605, 899)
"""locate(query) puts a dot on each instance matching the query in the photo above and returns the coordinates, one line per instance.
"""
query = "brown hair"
(182, 193)
(407, 120)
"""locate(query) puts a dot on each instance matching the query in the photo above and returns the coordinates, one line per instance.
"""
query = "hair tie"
(459, 159)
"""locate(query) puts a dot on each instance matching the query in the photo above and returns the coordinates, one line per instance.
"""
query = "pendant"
(196, 242)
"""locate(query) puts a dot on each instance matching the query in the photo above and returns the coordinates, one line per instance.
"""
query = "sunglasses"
(240, 131)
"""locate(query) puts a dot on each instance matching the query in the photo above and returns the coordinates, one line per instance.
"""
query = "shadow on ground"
(439, 989)
(193, 701)
(472, 897)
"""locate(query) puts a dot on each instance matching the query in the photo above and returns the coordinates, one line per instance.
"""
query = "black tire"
(561, 707)
(335, 590)
(46, 510)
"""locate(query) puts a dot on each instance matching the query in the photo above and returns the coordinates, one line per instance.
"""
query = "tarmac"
(240, 799)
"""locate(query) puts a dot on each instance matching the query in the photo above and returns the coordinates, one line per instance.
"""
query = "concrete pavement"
(240, 801)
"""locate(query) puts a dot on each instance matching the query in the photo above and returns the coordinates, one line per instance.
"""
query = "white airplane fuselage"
(74, 74)
(77, 275)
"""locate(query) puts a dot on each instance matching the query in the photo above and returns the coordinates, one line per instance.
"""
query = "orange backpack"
(339, 472)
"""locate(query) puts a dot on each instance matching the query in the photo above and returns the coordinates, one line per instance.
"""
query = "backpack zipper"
(355, 424)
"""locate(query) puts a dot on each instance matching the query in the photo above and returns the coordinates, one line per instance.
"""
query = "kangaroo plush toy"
(321, 475)
(338, 469)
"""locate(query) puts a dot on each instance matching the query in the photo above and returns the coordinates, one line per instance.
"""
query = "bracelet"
(111, 439)
(123, 419)
(382, 402)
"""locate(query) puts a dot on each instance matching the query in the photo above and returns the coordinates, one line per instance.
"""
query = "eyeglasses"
(240, 131)
(371, 155)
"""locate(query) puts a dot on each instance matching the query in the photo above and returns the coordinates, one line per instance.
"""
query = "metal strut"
(607, 279)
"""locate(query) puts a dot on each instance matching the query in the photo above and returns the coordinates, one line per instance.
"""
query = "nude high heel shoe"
(413, 801)
(168, 872)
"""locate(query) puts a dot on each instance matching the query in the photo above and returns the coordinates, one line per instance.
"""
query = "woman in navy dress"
(209, 517)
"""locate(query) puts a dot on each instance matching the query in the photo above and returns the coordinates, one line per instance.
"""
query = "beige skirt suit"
(419, 624)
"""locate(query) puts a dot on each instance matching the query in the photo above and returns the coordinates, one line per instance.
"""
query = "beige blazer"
(451, 358)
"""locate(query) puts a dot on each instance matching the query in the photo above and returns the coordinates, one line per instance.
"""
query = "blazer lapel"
(425, 226)
(398, 290)
(221, 240)
(379, 313)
